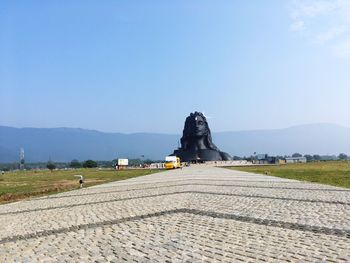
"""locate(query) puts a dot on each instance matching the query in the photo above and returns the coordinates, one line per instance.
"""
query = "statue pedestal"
(199, 155)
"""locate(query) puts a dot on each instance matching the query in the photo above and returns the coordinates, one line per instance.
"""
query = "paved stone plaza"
(197, 214)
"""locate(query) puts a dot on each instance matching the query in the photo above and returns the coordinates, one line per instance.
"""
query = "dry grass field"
(24, 184)
(335, 173)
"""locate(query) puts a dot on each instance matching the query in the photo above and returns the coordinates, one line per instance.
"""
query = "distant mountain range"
(66, 144)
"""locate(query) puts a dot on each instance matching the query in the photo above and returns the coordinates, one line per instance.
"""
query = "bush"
(89, 164)
(75, 164)
(343, 156)
(51, 166)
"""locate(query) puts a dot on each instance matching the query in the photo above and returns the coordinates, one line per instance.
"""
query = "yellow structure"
(172, 162)
(281, 162)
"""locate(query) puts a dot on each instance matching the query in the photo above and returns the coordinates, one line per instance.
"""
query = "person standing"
(81, 181)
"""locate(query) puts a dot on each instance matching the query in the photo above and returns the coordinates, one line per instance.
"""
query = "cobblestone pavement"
(197, 214)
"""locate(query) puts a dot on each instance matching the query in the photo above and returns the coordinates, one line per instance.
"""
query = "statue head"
(196, 127)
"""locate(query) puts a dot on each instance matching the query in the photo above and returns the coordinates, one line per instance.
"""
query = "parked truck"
(172, 162)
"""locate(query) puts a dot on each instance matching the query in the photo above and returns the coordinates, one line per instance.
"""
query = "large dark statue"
(196, 142)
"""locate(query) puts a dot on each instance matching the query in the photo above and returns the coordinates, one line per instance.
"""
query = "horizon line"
(166, 133)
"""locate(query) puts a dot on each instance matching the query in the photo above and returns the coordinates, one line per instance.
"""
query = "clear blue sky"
(143, 66)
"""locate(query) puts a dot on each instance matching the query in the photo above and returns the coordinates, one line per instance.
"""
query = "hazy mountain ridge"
(65, 144)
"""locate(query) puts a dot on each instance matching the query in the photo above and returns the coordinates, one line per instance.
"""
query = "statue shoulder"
(225, 156)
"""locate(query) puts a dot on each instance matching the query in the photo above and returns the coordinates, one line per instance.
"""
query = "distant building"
(329, 158)
(295, 160)
(264, 159)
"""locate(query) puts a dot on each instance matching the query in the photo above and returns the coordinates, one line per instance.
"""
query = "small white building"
(295, 160)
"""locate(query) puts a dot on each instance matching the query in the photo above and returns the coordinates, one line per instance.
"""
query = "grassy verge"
(23, 184)
(335, 173)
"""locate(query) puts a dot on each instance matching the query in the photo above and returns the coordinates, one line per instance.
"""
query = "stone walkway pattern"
(196, 214)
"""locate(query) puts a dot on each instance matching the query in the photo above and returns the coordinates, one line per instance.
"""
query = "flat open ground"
(335, 173)
(19, 185)
(197, 214)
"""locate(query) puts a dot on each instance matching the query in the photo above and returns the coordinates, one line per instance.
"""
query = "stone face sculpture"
(196, 142)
